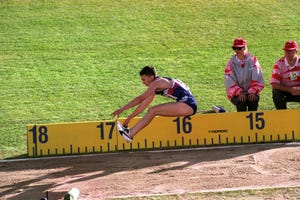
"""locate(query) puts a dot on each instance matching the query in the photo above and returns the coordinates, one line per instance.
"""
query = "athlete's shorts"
(191, 101)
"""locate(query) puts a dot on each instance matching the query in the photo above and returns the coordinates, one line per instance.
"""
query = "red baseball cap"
(239, 42)
(290, 45)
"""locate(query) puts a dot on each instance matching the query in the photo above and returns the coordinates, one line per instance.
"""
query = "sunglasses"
(237, 48)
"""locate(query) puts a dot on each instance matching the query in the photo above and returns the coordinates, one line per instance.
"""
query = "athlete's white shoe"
(125, 132)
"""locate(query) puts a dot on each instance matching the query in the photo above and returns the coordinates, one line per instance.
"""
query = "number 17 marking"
(102, 128)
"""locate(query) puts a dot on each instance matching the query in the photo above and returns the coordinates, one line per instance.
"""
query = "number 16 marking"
(185, 126)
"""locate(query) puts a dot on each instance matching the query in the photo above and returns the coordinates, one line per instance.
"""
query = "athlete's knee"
(152, 110)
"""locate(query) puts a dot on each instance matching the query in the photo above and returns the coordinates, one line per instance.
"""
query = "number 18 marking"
(40, 134)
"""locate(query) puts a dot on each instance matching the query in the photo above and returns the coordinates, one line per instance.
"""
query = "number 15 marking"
(258, 120)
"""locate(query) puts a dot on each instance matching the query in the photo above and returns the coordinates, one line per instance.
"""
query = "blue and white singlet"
(179, 92)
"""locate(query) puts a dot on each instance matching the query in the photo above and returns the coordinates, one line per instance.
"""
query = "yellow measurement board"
(165, 132)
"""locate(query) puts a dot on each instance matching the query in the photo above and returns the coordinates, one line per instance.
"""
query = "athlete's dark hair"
(148, 71)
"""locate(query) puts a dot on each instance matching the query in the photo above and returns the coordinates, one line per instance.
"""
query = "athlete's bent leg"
(168, 110)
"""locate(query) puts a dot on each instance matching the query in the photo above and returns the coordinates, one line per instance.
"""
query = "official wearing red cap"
(285, 79)
(290, 45)
(239, 42)
(243, 78)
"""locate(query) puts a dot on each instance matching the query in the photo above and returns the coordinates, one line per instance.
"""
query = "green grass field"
(291, 193)
(68, 60)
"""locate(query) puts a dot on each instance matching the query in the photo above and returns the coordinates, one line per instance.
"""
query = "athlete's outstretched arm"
(138, 100)
(141, 107)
